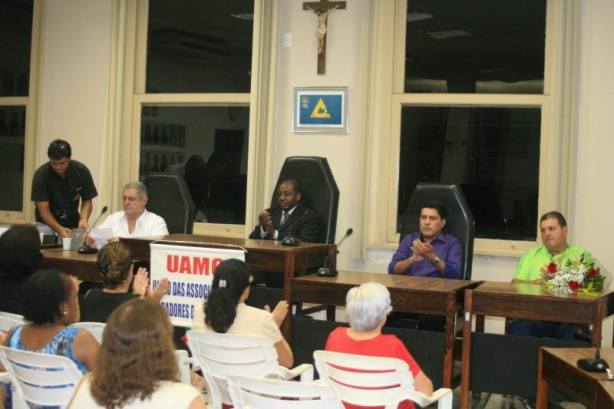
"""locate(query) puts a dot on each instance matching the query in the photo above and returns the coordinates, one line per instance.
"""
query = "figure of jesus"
(321, 30)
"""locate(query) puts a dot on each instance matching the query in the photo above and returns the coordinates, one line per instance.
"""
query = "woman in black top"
(115, 265)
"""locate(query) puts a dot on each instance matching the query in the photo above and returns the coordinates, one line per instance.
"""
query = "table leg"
(542, 384)
(466, 356)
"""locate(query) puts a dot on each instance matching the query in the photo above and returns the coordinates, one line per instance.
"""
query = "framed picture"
(320, 109)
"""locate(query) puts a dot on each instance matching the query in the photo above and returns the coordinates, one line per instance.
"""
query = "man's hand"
(113, 239)
(424, 250)
(266, 222)
(64, 232)
(279, 313)
(83, 224)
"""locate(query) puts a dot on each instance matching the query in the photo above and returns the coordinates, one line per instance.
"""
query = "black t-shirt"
(98, 305)
(63, 193)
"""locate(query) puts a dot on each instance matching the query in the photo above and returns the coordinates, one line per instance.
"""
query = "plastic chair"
(8, 321)
(374, 381)
(220, 355)
(183, 362)
(95, 328)
(40, 379)
(260, 393)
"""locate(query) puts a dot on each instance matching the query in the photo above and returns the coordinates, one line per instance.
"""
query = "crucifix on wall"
(322, 9)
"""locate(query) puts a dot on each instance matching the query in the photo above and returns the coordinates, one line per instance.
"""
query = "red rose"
(592, 272)
(552, 267)
(574, 285)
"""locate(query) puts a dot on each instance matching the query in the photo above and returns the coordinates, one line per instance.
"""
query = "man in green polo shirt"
(535, 261)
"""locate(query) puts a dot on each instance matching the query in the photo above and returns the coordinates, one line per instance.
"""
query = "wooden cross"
(322, 9)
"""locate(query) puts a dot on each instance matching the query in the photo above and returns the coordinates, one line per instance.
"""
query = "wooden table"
(527, 301)
(422, 295)
(558, 368)
(83, 266)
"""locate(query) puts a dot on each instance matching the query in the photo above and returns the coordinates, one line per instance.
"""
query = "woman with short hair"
(367, 307)
(225, 310)
(136, 366)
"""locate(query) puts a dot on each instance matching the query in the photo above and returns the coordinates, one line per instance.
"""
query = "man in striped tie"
(289, 218)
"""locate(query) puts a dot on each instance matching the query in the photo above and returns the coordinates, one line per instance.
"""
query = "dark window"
(199, 46)
(475, 46)
(209, 146)
(492, 152)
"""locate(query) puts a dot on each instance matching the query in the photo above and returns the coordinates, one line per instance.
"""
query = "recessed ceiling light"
(417, 16)
(446, 35)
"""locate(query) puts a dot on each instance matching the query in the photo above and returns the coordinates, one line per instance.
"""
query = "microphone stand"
(331, 272)
(591, 365)
(85, 249)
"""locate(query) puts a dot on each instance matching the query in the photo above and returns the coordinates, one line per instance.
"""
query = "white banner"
(190, 273)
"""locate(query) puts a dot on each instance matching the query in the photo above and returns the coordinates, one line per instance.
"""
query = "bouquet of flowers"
(573, 276)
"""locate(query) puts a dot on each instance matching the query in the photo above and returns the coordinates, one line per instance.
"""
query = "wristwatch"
(435, 261)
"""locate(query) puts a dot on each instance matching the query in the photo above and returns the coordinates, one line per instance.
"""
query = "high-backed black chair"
(319, 191)
(459, 220)
(169, 198)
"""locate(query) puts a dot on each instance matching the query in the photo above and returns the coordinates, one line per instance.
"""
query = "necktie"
(284, 217)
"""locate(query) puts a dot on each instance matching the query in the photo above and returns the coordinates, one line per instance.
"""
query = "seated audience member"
(533, 263)
(290, 218)
(20, 256)
(427, 253)
(225, 310)
(114, 262)
(136, 366)
(134, 220)
(51, 306)
(366, 309)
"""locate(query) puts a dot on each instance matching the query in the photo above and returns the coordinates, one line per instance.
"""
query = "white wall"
(75, 97)
(76, 63)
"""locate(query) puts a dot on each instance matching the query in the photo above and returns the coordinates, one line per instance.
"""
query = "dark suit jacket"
(302, 223)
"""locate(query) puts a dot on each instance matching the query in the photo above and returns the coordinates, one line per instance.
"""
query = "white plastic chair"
(95, 328)
(260, 393)
(41, 379)
(8, 321)
(220, 355)
(374, 381)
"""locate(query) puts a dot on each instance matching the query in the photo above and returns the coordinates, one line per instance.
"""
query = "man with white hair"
(134, 220)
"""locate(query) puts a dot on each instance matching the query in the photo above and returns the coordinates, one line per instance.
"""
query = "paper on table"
(101, 236)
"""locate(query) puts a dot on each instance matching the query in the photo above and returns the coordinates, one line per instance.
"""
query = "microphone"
(331, 272)
(83, 249)
(591, 365)
(290, 240)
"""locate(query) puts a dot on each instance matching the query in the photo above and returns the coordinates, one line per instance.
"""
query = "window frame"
(32, 104)
(557, 103)
(132, 19)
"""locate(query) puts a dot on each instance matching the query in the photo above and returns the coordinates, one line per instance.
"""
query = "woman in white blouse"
(225, 310)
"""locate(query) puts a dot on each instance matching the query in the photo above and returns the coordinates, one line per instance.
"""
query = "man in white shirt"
(134, 220)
